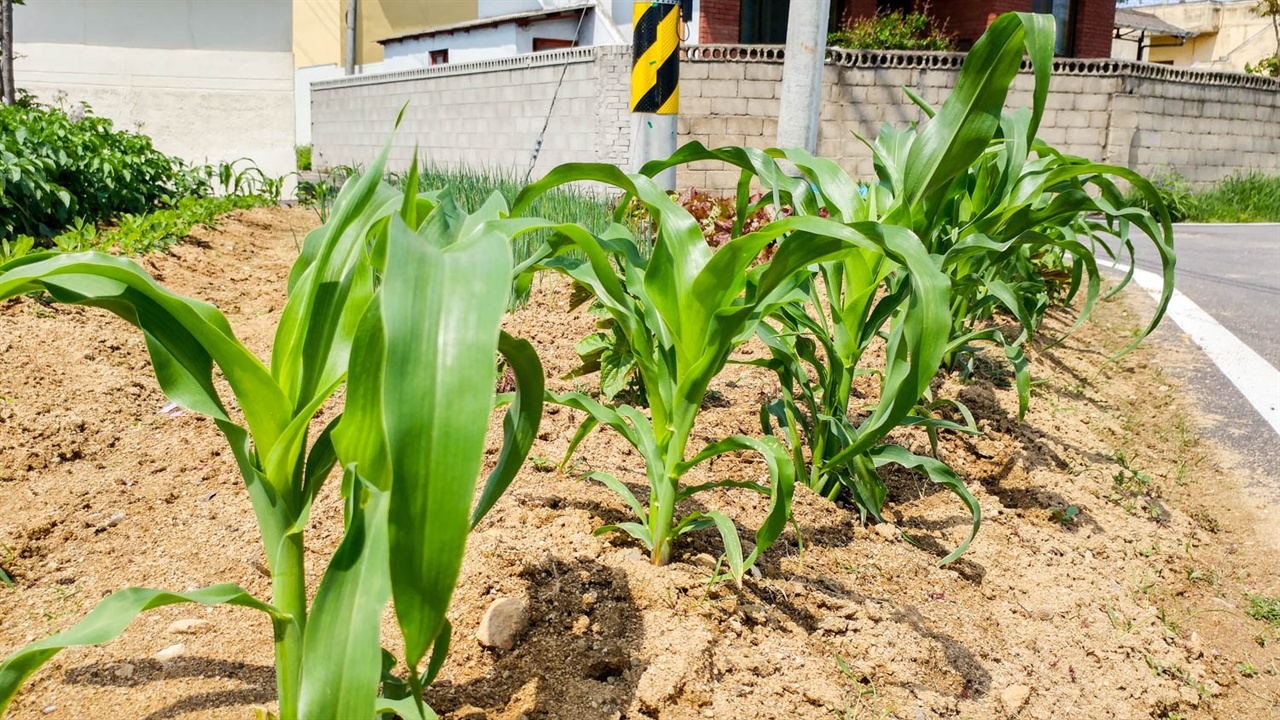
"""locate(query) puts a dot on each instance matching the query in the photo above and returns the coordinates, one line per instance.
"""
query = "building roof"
(522, 18)
(1148, 23)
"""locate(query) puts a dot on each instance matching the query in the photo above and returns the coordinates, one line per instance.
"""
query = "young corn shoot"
(683, 310)
(400, 296)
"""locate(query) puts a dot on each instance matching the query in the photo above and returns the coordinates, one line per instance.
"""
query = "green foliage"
(1241, 197)
(399, 297)
(139, 234)
(1269, 66)
(471, 188)
(57, 168)
(1266, 609)
(894, 30)
(302, 154)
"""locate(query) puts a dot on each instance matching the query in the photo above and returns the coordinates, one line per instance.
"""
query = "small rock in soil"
(888, 531)
(1014, 697)
(704, 560)
(502, 624)
(189, 626)
(125, 671)
(171, 652)
(48, 709)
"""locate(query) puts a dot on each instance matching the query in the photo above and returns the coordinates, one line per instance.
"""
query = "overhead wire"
(537, 144)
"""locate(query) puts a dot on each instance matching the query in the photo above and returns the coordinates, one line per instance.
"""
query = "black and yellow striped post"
(655, 81)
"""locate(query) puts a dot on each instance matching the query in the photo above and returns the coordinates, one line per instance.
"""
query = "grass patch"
(1266, 609)
(1242, 197)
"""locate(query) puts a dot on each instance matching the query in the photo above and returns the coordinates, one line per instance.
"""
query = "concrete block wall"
(1205, 125)
(485, 115)
(1147, 117)
(1200, 131)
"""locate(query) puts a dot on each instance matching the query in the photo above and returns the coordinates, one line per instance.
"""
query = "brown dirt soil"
(1136, 609)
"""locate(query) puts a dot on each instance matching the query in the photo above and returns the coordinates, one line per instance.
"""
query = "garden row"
(972, 232)
(69, 180)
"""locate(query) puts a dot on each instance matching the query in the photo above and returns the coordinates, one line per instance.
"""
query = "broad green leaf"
(441, 304)
(519, 425)
(109, 619)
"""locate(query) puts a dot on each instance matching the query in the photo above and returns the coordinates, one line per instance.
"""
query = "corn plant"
(1004, 228)
(683, 310)
(400, 296)
(1017, 224)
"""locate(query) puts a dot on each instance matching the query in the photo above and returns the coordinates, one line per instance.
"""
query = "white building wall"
(208, 80)
(465, 46)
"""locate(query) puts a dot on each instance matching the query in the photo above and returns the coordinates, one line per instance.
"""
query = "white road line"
(1255, 378)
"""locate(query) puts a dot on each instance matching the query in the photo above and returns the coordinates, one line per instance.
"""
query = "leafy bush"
(894, 30)
(58, 168)
(303, 155)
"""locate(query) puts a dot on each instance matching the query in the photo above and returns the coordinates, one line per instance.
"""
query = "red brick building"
(1084, 26)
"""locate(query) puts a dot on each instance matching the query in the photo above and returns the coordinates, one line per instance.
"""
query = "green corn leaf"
(519, 425)
(960, 132)
(440, 310)
(341, 642)
(109, 619)
(622, 490)
(732, 544)
(939, 473)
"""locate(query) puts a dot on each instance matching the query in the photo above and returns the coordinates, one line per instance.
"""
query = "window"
(764, 22)
(1064, 18)
(540, 44)
(440, 57)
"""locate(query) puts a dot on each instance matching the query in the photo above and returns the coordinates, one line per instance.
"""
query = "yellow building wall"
(320, 26)
(317, 32)
(1230, 35)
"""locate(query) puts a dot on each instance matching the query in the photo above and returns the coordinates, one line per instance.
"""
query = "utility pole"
(655, 83)
(6, 51)
(802, 74)
(351, 37)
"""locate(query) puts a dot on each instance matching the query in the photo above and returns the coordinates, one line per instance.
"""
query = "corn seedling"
(684, 309)
(400, 296)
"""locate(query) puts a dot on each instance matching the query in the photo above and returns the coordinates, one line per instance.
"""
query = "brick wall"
(1143, 116)
(720, 21)
(1095, 27)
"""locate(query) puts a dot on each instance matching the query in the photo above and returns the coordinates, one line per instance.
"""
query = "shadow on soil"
(259, 680)
(584, 632)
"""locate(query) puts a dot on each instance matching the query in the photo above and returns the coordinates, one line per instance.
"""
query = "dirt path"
(1136, 609)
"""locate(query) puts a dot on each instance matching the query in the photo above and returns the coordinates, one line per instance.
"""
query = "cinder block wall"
(483, 115)
(1204, 125)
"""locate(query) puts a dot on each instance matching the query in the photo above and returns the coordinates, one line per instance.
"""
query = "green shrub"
(894, 30)
(1269, 65)
(303, 154)
(61, 167)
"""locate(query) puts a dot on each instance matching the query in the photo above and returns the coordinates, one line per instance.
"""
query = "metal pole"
(655, 83)
(6, 46)
(351, 37)
(802, 74)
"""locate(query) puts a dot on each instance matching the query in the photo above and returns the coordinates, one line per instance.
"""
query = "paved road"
(1233, 273)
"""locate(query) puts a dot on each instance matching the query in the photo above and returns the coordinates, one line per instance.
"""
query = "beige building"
(1215, 35)
(320, 26)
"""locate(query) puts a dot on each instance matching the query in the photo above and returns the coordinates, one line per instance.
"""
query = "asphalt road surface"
(1233, 273)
